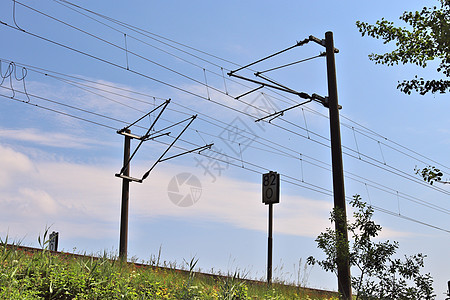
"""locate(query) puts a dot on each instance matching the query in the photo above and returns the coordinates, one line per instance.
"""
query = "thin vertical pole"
(269, 245)
(125, 199)
(448, 291)
(343, 265)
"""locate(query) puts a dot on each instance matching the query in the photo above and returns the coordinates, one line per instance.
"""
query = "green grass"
(46, 275)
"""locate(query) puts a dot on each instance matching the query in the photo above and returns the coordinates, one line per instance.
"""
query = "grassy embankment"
(43, 274)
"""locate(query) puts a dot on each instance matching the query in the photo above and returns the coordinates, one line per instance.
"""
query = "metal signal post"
(270, 245)
(270, 195)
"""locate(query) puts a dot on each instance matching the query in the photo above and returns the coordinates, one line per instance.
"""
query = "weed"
(43, 274)
(232, 288)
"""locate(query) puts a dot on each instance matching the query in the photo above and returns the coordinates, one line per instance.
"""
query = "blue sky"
(58, 169)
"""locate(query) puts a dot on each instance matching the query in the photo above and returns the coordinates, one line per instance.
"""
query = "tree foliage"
(431, 174)
(426, 39)
(378, 275)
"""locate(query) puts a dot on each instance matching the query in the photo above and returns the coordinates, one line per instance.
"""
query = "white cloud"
(13, 165)
(38, 201)
(52, 139)
(234, 202)
(73, 196)
(102, 97)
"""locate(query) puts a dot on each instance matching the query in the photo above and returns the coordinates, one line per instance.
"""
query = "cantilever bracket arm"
(322, 100)
(199, 149)
(150, 136)
(321, 42)
(146, 135)
(314, 97)
(168, 148)
(276, 83)
(144, 138)
(140, 180)
(281, 88)
(162, 104)
(290, 64)
(281, 112)
(129, 178)
(249, 92)
(299, 43)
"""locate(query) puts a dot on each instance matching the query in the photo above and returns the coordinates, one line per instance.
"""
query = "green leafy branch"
(427, 39)
(376, 274)
(431, 174)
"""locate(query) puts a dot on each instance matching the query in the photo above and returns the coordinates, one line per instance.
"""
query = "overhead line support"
(123, 239)
(281, 112)
(164, 105)
(168, 148)
(125, 171)
(300, 43)
(199, 149)
(257, 74)
(342, 250)
(290, 64)
(331, 102)
(321, 42)
(284, 89)
(249, 92)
